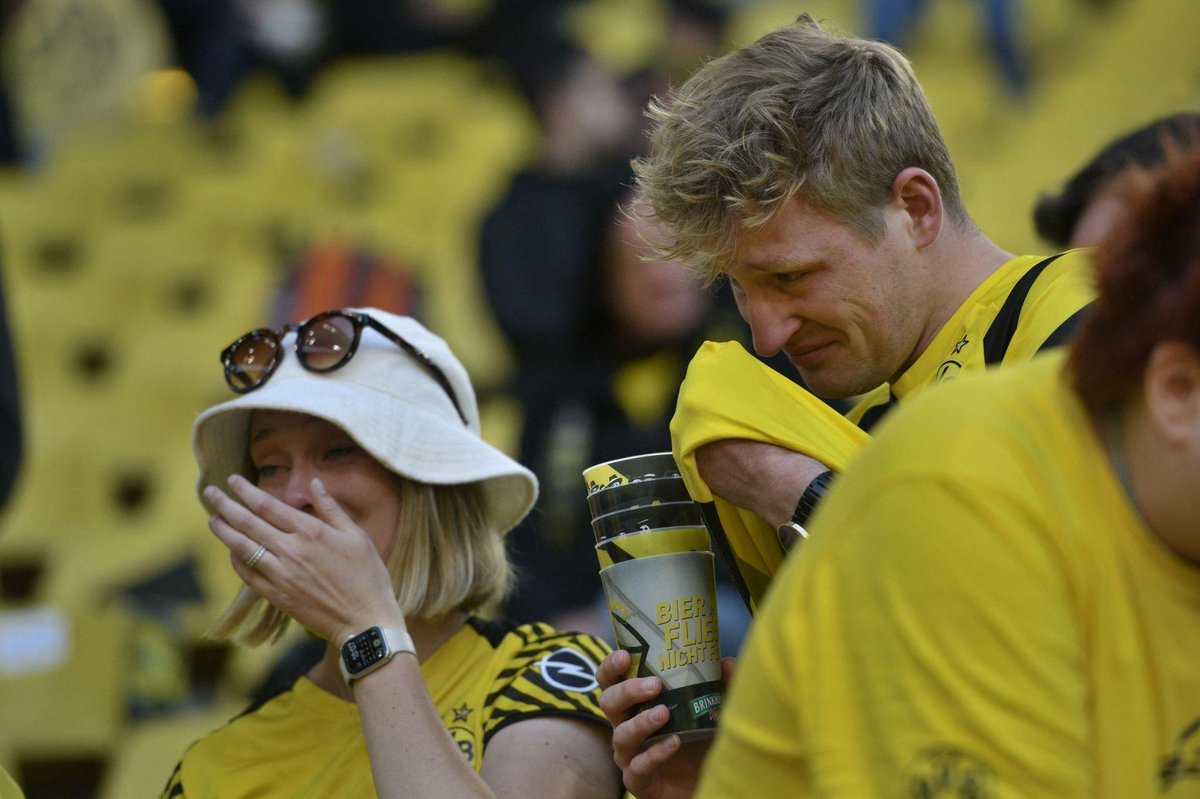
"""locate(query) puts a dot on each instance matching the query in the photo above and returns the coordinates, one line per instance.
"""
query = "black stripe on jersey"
(590, 718)
(174, 786)
(876, 412)
(539, 648)
(492, 631)
(720, 539)
(525, 668)
(1066, 331)
(592, 648)
(999, 334)
(526, 703)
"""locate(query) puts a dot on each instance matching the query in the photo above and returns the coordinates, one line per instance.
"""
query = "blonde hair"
(801, 112)
(446, 558)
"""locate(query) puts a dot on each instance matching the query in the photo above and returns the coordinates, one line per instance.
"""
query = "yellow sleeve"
(8, 787)
(729, 394)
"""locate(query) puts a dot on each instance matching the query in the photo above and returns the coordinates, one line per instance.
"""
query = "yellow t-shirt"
(308, 743)
(728, 394)
(991, 618)
(8, 788)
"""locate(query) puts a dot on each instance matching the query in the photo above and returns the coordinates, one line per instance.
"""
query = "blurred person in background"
(11, 434)
(1019, 615)
(10, 452)
(1082, 212)
(356, 497)
(599, 346)
(542, 247)
(897, 22)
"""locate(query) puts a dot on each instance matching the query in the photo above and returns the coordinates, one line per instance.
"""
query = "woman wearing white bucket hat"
(361, 502)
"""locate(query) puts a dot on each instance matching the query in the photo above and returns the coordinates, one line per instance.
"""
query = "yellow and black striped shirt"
(306, 742)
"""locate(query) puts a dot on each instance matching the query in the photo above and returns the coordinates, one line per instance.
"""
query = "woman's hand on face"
(320, 568)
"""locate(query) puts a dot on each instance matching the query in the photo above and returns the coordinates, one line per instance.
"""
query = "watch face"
(363, 651)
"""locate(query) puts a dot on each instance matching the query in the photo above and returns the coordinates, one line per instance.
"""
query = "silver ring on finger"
(253, 560)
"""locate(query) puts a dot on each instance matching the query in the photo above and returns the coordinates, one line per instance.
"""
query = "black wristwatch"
(794, 529)
(370, 649)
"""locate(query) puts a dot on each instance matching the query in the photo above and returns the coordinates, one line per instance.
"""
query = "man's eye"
(268, 470)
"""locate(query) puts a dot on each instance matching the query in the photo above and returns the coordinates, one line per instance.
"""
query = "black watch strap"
(812, 497)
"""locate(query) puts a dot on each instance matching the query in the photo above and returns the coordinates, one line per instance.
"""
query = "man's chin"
(831, 387)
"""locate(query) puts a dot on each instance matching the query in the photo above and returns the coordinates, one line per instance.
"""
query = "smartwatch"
(793, 531)
(370, 649)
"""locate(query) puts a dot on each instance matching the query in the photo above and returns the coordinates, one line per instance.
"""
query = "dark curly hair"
(1148, 273)
(1056, 215)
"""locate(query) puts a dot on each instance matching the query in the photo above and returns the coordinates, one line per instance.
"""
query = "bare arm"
(552, 757)
(759, 477)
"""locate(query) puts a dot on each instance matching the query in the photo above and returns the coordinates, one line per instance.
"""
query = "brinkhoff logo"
(568, 670)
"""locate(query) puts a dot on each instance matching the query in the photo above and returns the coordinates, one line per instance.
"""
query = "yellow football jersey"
(992, 618)
(308, 743)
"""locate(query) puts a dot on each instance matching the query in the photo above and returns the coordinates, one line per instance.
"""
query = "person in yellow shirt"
(1018, 615)
(351, 485)
(807, 169)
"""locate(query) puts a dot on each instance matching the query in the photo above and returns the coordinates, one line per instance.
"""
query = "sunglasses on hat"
(324, 343)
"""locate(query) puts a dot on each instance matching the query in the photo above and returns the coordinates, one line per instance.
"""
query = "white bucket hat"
(391, 405)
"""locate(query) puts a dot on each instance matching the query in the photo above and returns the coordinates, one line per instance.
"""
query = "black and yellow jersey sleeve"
(546, 673)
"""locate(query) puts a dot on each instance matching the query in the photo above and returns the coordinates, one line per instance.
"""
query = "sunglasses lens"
(251, 362)
(326, 342)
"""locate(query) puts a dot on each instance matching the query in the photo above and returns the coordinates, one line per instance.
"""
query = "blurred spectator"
(335, 273)
(11, 438)
(695, 30)
(1081, 214)
(540, 251)
(586, 316)
(637, 321)
(10, 151)
(209, 44)
(395, 26)
(895, 22)
(220, 42)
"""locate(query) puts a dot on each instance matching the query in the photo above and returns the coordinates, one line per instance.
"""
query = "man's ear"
(916, 193)
(1171, 389)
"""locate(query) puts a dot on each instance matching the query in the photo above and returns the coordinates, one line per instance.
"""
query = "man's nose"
(771, 324)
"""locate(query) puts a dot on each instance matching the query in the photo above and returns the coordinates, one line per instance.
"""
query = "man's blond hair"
(802, 112)
(446, 558)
